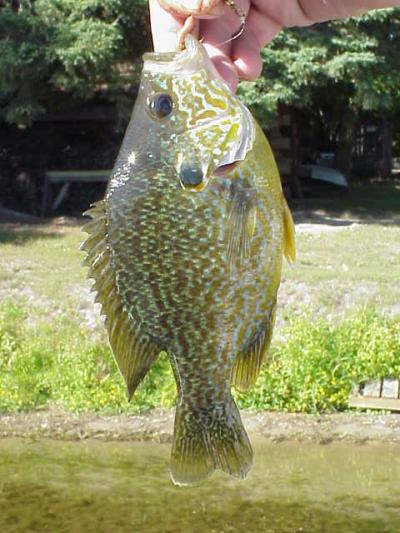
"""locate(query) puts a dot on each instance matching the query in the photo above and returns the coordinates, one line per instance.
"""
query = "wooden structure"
(377, 394)
(372, 152)
(64, 179)
(283, 137)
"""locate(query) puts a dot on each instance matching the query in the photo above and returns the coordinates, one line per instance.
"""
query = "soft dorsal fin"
(134, 351)
(289, 241)
(249, 361)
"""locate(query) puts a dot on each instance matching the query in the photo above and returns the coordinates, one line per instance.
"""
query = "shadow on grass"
(371, 203)
(19, 235)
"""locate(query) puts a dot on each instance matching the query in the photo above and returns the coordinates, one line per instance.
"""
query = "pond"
(91, 486)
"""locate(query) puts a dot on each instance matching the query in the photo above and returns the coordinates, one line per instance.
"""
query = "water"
(115, 487)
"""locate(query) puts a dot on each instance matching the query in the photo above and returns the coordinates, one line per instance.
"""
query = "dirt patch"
(157, 426)
(320, 227)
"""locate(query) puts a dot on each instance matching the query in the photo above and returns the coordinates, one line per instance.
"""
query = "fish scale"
(190, 260)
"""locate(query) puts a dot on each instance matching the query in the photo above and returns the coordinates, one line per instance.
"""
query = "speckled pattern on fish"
(186, 252)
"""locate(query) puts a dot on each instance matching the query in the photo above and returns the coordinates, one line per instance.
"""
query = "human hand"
(216, 23)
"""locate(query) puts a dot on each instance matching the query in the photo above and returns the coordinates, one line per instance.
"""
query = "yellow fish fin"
(249, 361)
(206, 440)
(289, 241)
(134, 351)
(241, 225)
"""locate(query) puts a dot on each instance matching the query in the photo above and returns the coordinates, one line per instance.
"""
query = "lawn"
(338, 318)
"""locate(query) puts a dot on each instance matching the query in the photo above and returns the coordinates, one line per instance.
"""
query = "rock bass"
(186, 252)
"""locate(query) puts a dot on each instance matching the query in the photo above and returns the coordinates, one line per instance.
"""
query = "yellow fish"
(186, 252)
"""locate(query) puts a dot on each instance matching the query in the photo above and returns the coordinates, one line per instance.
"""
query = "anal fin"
(133, 350)
(249, 361)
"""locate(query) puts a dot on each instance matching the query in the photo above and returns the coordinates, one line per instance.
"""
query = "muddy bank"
(157, 426)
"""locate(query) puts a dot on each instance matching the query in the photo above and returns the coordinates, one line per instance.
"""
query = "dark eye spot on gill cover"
(161, 105)
(190, 176)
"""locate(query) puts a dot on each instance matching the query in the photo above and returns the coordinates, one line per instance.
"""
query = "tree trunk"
(346, 143)
(385, 164)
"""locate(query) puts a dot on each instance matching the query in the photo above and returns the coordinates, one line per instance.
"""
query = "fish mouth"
(160, 58)
(180, 63)
(194, 179)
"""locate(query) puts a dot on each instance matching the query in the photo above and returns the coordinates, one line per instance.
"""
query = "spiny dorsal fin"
(241, 225)
(134, 351)
(289, 241)
(248, 362)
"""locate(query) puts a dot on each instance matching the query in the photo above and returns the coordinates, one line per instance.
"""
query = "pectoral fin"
(249, 361)
(242, 225)
(133, 350)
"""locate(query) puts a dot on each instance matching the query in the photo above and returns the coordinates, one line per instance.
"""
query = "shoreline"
(157, 426)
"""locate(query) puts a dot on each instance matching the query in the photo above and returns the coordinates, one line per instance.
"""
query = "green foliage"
(49, 49)
(58, 363)
(353, 63)
(54, 50)
(316, 366)
(311, 370)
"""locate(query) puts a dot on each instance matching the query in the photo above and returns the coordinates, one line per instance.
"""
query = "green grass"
(338, 317)
(339, 271)
(42, 262)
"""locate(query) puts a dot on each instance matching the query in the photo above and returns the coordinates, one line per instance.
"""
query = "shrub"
(311, 370)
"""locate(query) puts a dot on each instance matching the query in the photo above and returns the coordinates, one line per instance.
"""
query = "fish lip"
(174, 62)
(160, 58)
(180, 63)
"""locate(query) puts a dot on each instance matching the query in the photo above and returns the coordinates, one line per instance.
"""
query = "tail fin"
(206, 440)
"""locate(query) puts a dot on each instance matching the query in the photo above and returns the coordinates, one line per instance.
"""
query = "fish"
(186, 251)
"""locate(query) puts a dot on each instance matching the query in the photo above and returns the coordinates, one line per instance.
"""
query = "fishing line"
(242, 16)
(189, 25)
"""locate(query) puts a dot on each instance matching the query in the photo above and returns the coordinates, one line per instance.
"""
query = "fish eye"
(161, 105)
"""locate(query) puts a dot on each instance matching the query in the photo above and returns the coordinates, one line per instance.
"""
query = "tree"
(52, 50)
(335, 69)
